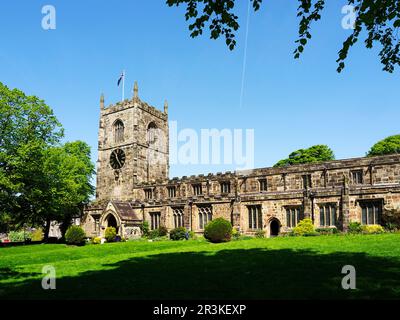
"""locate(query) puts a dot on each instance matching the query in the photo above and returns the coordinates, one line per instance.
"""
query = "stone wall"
(144, 162)
(331, 182)
(143, 181)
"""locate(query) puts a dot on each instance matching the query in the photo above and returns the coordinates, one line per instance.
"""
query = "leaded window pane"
(328, 215)
(370, 219)
(293, 212)
(205, 215)
(333, 211)
(322, 217)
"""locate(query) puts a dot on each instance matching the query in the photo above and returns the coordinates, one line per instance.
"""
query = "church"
(133, 185)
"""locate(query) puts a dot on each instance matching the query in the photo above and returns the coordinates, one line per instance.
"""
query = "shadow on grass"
(226, 274)
(8, 273)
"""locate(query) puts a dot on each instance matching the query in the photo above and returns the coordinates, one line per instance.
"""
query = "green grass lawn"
(277, 268)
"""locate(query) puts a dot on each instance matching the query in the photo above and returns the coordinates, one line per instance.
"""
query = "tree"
(27, 127)
(388, 145)
(67, 170)
(379, 20)
(313, 154)
(40, 179)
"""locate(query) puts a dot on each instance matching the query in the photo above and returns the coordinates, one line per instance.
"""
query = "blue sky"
(289, 103)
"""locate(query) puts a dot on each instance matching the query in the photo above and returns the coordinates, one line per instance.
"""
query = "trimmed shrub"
(162, 231)
(260, 234)
(218, 230)
(327, 230)
(355, 227)
(178, 233)
(37, 235)
(372, 229)
(75, 235)
(303, 227)
(19, 236)
(110, 234)
(96, 240)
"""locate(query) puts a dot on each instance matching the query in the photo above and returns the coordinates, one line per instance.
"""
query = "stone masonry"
(132, 187)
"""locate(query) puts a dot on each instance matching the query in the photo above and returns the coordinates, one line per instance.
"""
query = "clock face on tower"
(117, 159)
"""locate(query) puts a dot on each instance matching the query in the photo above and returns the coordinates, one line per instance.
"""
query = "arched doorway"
(274, 227)
(112, 222)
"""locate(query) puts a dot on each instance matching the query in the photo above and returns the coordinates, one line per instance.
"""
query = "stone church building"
(133, 185)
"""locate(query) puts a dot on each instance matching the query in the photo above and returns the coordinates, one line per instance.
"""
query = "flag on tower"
(120, 78)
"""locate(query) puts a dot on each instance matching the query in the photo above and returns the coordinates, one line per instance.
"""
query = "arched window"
(151, 133)
(118, 131)
(178, 217)
(205, 216)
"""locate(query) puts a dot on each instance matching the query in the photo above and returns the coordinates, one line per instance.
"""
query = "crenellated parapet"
(132, 103)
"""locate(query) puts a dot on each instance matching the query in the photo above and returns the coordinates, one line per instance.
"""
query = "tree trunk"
(47, 230)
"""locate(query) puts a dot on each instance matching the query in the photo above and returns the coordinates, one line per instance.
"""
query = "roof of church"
(125, 210)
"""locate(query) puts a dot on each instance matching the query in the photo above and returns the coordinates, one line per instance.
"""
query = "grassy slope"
(276, 268)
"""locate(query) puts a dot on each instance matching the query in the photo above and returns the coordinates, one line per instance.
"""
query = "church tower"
(133, 147)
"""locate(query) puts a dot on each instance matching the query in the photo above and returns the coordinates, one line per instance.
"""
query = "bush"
(260, 234)
(96, 240)
(154, 234)
(391, 219)
(37, 235)
(303, 227)
(355, 227)
(110, 234)
(162, 231)
(235, 233)
(328, 230)
(218, 230)
(391, 227)
(144, 227)
(19, 236)
(75, 235)
(372, 228)
(178, 234)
